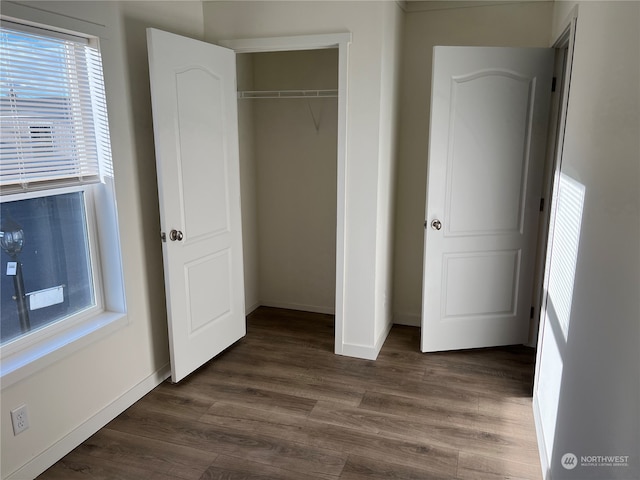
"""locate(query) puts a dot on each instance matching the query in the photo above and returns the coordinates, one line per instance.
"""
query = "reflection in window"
(55, 266)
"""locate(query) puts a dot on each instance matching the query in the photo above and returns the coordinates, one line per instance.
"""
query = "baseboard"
(359, 351)
(542, 450)
(364, 351)
(250, 309)
(55, 452)
(299, 306)
(409, 319)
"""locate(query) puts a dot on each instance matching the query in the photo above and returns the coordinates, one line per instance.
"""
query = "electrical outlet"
(19, 419)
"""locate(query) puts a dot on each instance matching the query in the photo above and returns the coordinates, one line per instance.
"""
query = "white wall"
(248, 185)
(297, 180)
(428, 24)
(70, 398)
(597, 368)
(366, 22)
(392, 28)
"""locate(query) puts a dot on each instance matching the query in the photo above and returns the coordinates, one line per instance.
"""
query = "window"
(55, 187)
(51, 277)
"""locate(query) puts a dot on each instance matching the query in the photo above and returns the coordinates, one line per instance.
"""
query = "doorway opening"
(293, 166)
(287, 118)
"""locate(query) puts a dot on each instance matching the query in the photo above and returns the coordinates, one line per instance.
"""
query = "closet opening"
(288, 138)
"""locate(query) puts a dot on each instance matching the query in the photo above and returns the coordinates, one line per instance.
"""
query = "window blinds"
(54, 130)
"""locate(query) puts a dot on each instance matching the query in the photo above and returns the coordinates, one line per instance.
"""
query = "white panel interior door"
(489, 112)
(196, 136)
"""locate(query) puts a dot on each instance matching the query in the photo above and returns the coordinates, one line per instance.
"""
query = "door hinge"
(542, 204)
(553, 84)
(533, 310)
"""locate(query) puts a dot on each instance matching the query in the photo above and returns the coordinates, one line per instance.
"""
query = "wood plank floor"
(280, 405)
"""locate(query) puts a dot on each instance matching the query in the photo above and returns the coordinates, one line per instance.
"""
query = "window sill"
(26, 362)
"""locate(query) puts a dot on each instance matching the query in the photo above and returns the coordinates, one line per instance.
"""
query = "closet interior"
(288, 125)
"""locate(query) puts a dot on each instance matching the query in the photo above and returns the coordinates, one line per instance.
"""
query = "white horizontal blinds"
(53, 130)
(99, 103)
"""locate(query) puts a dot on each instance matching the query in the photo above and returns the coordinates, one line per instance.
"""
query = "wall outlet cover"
(19, 419)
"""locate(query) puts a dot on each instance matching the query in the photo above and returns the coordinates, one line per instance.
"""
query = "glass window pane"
(54, 260)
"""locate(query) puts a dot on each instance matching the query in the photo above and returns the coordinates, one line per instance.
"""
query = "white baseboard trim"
(298, 306)
(542, 450)
(55, 452)
(364, 351)
(409, 319)
(248, 310)
(359, 351)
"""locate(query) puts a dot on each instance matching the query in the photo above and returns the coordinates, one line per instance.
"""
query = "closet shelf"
(248, 94)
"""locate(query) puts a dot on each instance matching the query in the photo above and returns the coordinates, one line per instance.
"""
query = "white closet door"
(195, 126)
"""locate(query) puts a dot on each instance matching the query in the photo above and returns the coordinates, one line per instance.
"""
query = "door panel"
(200, 129)
(195, 127)
(487, 147)
(467, 292)
(485, 171)
(210, 304)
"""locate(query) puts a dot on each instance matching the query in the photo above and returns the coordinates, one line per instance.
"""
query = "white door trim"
(564, 40)
(340, 41)
(279, 44)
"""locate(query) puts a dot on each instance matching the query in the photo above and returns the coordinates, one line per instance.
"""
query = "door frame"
(340, 41)
(564, 45)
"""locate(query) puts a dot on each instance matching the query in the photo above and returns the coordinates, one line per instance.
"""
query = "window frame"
(26, 355)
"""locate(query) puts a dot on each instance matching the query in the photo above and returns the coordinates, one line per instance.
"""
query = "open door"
(489, 114)
(195, 126)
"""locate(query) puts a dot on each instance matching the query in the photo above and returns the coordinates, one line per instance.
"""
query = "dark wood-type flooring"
(280, 405)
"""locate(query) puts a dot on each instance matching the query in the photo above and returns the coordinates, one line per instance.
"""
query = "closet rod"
(288, 94)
